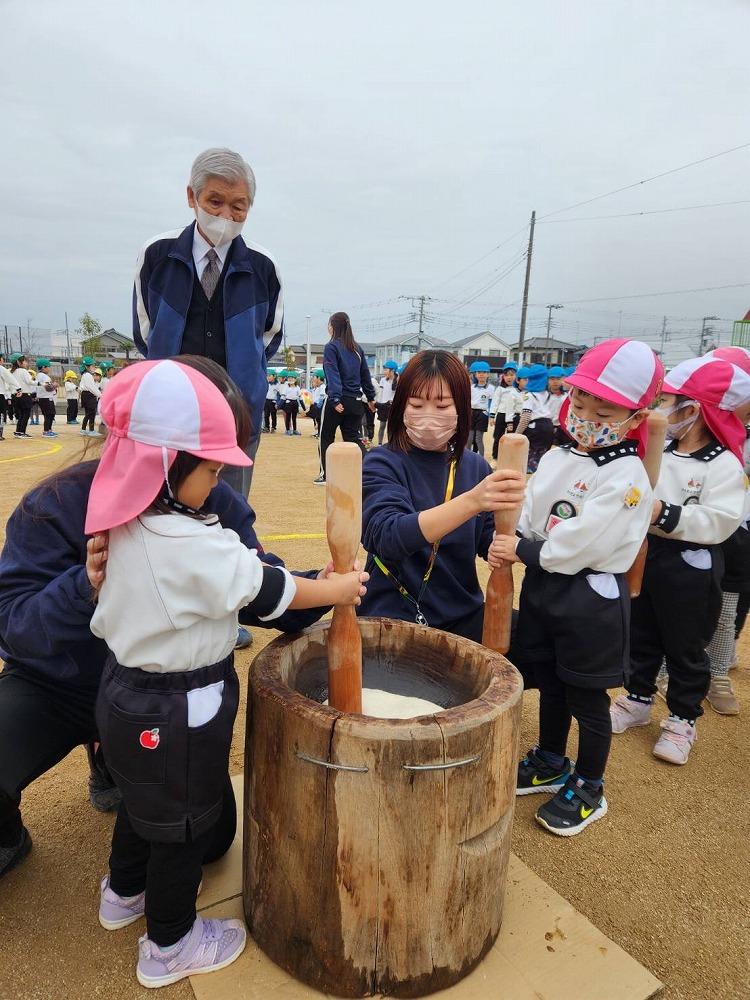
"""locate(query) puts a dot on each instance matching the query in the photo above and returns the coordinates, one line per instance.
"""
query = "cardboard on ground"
(546, 950)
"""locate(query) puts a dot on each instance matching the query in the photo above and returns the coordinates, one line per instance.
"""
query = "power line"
(479, 260)
(646, 295)
(647, 180)
(655, 211)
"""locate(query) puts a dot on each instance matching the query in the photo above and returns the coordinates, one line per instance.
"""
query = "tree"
(88, 334)
(290, 360)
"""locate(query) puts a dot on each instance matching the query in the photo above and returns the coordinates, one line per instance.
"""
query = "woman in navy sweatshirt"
(347, 377)
(428, 503)
(53, 663)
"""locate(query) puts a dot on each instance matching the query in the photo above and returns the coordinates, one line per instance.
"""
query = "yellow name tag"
(633, 497)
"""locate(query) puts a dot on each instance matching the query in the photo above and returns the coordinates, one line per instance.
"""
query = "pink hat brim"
(129, 477)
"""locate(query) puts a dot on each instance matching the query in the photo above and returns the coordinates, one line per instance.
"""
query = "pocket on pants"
(697, 558)
(604, 584)
(209, 746)
(135, 746)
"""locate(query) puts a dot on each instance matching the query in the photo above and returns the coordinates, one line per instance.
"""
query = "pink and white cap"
(152, 410)
(624, 372)
(739, 356)
(720, 387)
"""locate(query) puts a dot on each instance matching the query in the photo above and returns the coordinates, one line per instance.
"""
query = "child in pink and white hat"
(585, 515)
(700, 502)
(168, 609)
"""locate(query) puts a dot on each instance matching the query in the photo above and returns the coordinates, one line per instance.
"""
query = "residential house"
(485, 346)
(404, 347)
(540, 350)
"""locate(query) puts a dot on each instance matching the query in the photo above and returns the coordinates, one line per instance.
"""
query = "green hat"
(43, 362)
(106, 365)
(16, 357)
(319, 373)
(87, 361)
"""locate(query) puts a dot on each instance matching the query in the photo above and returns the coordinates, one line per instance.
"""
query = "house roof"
(112, 334)
(404, 338)
(475, 336)
(542, 344)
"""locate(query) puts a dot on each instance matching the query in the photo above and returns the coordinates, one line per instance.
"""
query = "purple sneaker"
(209, 945)
(119, 911)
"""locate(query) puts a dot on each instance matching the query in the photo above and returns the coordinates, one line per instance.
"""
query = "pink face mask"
(430, 431)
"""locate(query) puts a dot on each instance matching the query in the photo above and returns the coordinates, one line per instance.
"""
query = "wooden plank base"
(543, 945)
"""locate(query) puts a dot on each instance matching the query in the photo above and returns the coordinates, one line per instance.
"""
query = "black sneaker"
(12, 856)
(575, 806)
(320, 481)
(534, 775)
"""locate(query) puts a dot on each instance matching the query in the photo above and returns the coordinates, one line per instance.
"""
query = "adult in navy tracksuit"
(204, 290)
(347, 377)
(53, 663)
(428, 502)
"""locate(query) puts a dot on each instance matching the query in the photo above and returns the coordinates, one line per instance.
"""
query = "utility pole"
(663, 337)
(67, 336)
(421, 299)
(549, 324)
(524, 307)
(307, 375)
(705, 331)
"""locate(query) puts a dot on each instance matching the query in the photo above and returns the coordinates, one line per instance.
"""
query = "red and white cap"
(624, 372)
(152, 410)
(720, 386)
(739, 356)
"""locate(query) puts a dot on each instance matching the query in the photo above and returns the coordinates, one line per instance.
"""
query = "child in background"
(291, 401)
(34, 419)
(384, 398)
(46, 391)
(71, 396)
(557, 397)
(481, 395)
(536, 417)
(90, 393)
(318, 398)
(169, 694)
(586, 513)
(504, 408)
(269, 407)
(700, 500)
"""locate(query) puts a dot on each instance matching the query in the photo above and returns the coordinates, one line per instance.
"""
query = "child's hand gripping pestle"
(344, 529)
(513, 454)
(657, 432)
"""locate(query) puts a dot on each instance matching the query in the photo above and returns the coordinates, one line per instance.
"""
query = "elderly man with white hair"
(205, 290)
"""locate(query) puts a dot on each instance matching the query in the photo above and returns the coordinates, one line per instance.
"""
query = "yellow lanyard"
(420, 618)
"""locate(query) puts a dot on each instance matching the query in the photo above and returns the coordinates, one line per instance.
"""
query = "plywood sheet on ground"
(545, 951)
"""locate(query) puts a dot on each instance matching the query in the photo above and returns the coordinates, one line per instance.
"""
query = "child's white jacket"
(704, 495)
(506, 402)
(586, 510)
(173, 589)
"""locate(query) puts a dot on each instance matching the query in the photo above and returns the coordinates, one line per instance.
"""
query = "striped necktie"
(210, 276)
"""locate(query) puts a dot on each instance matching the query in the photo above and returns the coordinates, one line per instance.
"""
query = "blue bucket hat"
(557, 372)
(479, 366)
(537, 378)
(510, 366)
(392, 365)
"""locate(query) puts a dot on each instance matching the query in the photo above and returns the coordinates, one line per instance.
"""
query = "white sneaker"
(676, 741)
(627, 714)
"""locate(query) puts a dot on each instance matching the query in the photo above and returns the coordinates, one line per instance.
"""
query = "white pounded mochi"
(385, 705)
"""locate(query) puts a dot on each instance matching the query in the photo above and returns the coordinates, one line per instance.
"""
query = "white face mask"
(216, 228)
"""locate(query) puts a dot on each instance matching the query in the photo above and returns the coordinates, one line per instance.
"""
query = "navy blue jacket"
(398, 485)
(347, 373)
(253, 308)
(45, 595)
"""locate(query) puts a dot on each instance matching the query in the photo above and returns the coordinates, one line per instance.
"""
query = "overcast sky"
(394, 143)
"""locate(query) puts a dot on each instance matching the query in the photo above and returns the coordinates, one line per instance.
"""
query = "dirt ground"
(665, 875)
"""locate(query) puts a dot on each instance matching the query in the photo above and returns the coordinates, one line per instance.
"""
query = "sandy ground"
(665, 874)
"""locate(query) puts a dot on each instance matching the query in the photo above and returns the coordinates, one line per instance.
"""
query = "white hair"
(224, 163)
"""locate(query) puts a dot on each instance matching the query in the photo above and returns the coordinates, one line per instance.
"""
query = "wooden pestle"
(513, 453)
(344, 529)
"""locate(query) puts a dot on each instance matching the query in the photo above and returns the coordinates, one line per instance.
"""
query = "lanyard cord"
(421, 620)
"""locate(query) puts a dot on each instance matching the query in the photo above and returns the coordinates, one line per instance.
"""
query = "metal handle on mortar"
(442, 767)
(331, 767)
